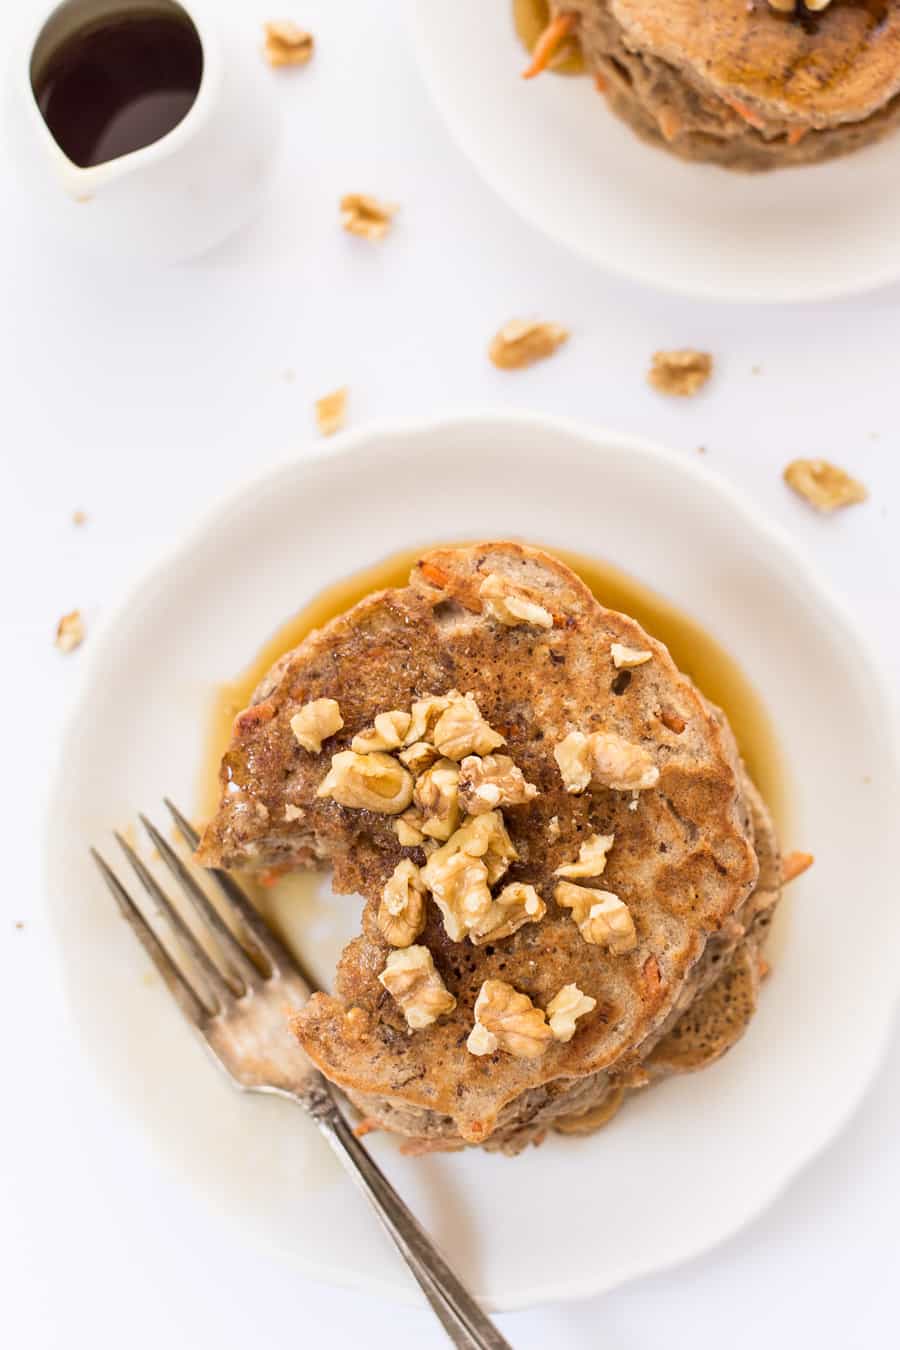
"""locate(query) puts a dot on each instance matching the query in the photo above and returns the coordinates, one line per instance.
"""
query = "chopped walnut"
(436, 794)
(357, 1024)
(425, 712)
(419, 756)
(591, 857)
(315, 722)
(510, 605)
(682, 373)
(554, 830)
(788, 6)
(461, 730)
(386, 734)
(521, 342)
(331, 411)
(564, 1010)
(373, 782)
(506, 1019)
(411, 979)
(461, 873)
(605, 759)
(604, 919)
(626, 658)
(70, 631)
(516, 905)
(292, 812)
(823, 485)
(408, 829)
(287, 44)
(366, 217)
(401, 914)
(493, 781)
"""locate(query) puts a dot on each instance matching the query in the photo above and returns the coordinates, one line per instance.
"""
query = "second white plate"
(553, 150)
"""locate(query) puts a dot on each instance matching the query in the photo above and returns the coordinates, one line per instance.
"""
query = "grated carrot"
(544, 50)
(795, 864)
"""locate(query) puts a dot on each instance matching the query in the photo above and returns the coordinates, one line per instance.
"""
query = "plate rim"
(652, 279)
(346, 444)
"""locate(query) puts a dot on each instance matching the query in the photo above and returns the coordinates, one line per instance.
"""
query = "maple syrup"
(118, 83)
(693, 650)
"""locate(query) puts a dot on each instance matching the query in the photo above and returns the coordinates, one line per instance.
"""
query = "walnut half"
(506, 1019)
(604, 919)
(401, 914)
(521, 342)
(373, 782)
(823, 485)
(411, 979)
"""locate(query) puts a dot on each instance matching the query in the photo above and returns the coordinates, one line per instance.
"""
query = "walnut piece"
(411, 979)
(554, 829)
(604, 919)
(70, 631)
(331, 411)
(605, 759)
(386, 734)
(425, 712)
(419, 756)
(521, 342)
(788, 6)
(591, 857)
(401, 913)
(436, 794)
(626, 658)
(315, 722)
(373, 782)
(824, 485)
(493, 781)
(408, 829)
(461, 730)
(506, 1019)
(461, 872)
(564, 1010)
(516, 905)
(681, 373)
(287, 44)
(366, 217)
(510, 605)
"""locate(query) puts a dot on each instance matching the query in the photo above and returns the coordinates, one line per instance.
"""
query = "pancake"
(742, 85)
(683, 860)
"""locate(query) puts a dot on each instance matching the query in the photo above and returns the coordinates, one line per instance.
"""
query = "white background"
(136, 396)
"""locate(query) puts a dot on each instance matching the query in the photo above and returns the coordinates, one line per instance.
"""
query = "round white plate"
(684, 1164)
(553, 150)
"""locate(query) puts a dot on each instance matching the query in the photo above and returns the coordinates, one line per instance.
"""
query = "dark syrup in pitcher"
(119, 83)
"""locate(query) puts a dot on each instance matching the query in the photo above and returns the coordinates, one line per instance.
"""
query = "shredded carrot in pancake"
(796, 134)
(794, 865)
(557, 30)
(752, 118)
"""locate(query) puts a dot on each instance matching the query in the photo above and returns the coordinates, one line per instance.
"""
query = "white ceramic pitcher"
(179, 195)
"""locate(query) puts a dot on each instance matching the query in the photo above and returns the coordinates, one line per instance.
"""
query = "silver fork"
(236, 1001)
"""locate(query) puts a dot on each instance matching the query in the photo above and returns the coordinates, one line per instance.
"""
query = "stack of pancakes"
(741, 84)
(695, 856)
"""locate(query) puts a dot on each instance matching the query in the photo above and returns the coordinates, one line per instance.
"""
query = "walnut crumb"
(591, 860)
(506, 1019)
(626, 658)
(331, 411)
(70, 631)
(554, 830)
(365, 216)
(315, 722)
(521, 342)
(287, 44)
(604, 919)
(411, 979)
(564, 1010)
(823, 485)
(682, 372)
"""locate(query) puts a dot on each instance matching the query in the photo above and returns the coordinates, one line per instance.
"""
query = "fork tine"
(234, 952)
(273, 950)
(190, 1003)
(221, 987)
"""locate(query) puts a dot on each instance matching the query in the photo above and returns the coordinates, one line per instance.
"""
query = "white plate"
(685, 1164)
(552, 149)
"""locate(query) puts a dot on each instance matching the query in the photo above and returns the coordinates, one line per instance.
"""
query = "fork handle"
(459, 1314)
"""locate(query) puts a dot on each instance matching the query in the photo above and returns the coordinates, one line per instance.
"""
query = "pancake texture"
(744, 86)
(693, 853)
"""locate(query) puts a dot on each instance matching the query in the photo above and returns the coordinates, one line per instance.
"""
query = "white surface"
(554, 151)
(759, 585)
(137, 396)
